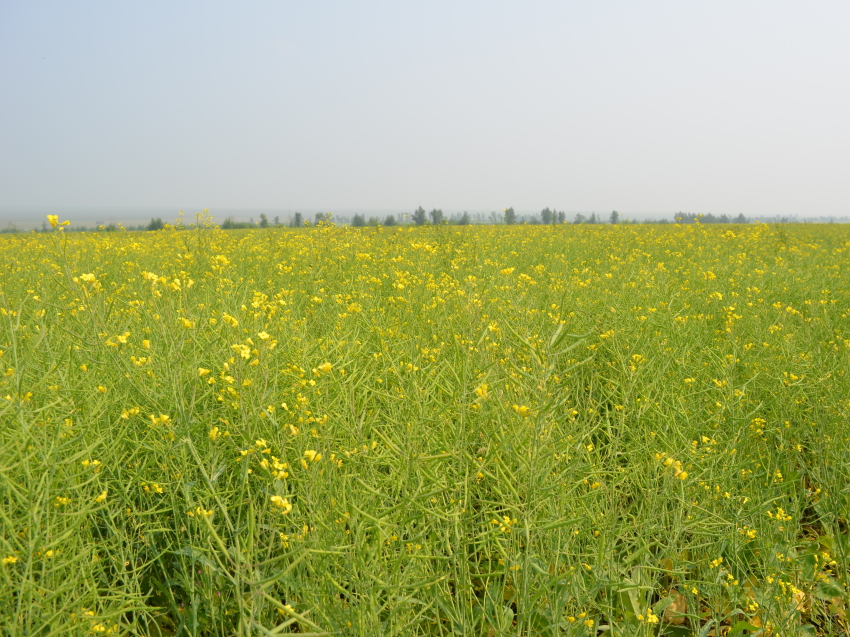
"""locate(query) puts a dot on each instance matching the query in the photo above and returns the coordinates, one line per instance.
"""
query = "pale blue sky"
(655, 107)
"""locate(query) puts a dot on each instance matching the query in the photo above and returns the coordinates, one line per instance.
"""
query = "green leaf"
(828, 589)
(742, 628)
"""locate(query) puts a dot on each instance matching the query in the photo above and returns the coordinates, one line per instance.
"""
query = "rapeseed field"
(525, 430)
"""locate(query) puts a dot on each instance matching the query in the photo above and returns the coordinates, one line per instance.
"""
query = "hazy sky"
(721, 107)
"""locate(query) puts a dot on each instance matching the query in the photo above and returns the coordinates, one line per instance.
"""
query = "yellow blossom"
(312, 455)
(281, 503)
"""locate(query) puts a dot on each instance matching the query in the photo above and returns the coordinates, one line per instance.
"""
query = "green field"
(526, 430)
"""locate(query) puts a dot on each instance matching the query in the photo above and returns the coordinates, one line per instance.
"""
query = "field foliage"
(528, 430)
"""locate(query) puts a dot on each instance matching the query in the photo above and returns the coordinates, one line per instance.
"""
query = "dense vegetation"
(568, 430)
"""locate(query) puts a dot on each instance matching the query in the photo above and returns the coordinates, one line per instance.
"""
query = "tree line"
(436, 217)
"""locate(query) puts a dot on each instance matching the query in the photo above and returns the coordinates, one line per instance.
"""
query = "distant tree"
(741, 218)
(464, 219)
(358, 221)
(390, 220)
(419, 216)
(593, 218)
(579, 218)
(510, 216)
(231, 224)
(496, 218)
(323, 217)
(156, 224)
(688, 217)
(436, 216)
(547, 216)
(277, 220)
(562, 217)
(264, 220)
(615, 218)
(373, 221)
(298, 220)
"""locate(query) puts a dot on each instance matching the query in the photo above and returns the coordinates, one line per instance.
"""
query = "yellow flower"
(244, 351)
(101, 497)
(53, 219)
(101, 389)
(522, 410)
(203, 372)
(162, 419)
(10, 560)
(481, 391)
(325, 368)
(215, 434)
(312, 455)
(263, 336)
(281, 503)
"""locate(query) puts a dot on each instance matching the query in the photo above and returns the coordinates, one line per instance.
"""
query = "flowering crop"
(441, 430)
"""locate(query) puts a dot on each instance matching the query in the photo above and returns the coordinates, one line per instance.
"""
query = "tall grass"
(435, 431)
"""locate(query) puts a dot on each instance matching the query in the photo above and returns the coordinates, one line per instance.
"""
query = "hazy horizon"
(35, 217)
(648, 109)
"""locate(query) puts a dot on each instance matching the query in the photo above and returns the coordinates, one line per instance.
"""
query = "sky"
(643, 107)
